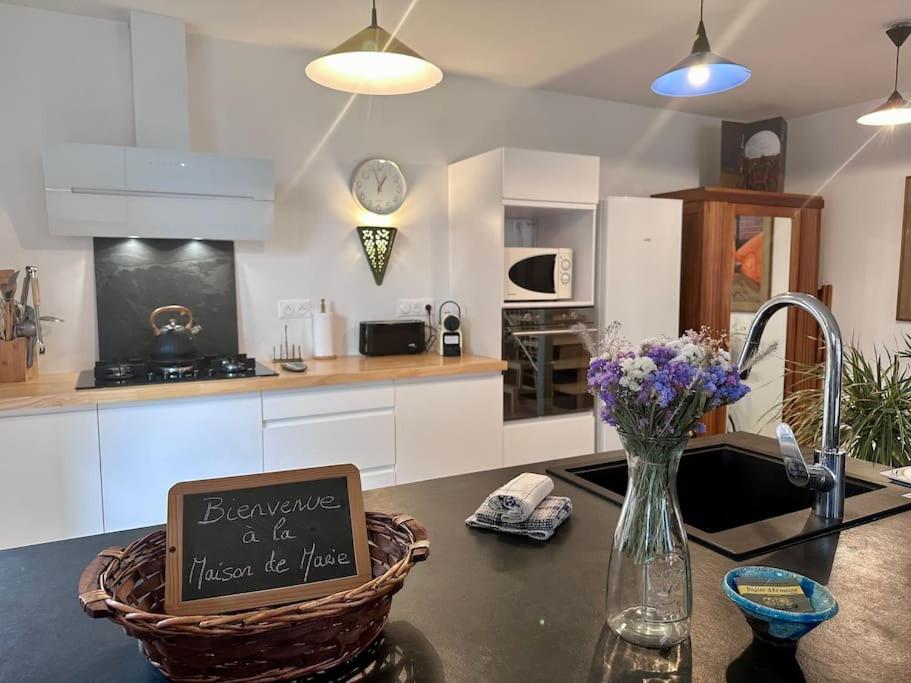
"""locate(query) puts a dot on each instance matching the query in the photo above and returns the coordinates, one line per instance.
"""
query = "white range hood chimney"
(158, 45)
(158, 188)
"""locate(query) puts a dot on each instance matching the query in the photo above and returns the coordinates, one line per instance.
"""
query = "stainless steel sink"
(735, 497)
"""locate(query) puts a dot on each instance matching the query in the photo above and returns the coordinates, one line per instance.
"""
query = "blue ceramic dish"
(775, 626)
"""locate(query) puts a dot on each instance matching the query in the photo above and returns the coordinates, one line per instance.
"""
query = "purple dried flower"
(662, 387)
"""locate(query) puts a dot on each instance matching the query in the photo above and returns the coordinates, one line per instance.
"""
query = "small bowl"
(774, 626)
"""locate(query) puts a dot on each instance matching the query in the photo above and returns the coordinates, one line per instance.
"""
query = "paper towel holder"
(323, 343)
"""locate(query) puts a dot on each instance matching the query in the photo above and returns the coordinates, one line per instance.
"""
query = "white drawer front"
(278, 405)
(366, 439)
(528, 441)
(375, 479)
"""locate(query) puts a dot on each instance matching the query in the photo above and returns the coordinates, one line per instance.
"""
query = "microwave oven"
(538, 274)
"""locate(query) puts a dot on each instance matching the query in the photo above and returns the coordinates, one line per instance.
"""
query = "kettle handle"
(169, 309)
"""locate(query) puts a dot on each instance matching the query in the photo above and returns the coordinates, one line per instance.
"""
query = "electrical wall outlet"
(414, 308)
(293, 308)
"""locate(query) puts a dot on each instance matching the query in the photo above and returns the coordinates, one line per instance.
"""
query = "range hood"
(158, 188)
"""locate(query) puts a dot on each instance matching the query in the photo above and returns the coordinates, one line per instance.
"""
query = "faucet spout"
(829, 504)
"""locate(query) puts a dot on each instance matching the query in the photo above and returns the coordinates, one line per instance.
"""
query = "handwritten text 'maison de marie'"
(202, 571)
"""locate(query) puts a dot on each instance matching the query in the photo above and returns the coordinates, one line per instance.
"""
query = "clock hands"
(373, 196)
(379, 183)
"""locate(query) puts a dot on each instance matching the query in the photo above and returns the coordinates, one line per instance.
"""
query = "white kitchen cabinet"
(549, 438)
(50, 472)
(448, 426)
(557, 191)
(533, 175)
(148, 447)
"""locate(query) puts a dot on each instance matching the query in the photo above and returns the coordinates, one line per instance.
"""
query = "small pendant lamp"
(373, 62)
(702, 72)
(896, 110)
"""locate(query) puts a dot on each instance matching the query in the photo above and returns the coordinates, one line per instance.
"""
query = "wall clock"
(378, 185)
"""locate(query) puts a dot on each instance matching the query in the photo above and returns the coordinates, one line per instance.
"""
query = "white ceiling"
(806, 55)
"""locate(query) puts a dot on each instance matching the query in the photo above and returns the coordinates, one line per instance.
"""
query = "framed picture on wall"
(903, 309)
(752, 263)
(753, 154)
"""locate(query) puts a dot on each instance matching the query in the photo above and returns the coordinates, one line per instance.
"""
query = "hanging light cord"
(373, 23)
(701, 2)
(898, 49)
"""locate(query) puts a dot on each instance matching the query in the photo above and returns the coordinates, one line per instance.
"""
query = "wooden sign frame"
(174, 602)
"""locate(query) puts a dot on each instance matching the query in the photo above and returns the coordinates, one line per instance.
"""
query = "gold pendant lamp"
(374, 62)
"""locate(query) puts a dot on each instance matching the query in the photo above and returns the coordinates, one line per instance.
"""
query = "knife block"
(13, 367)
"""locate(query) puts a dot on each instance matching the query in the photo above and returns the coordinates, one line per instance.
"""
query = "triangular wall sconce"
(377, 243)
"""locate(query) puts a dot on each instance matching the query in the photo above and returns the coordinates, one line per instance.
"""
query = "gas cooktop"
(137, 371)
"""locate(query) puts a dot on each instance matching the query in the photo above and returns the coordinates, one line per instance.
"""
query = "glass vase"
(649, 585)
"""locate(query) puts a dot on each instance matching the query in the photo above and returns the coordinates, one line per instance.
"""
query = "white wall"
(63, 79)
(860, 171)
(66, 78)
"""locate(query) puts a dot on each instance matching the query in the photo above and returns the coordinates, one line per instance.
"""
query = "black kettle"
(174, 341)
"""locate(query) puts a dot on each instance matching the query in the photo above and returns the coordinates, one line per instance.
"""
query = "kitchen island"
(487, 607)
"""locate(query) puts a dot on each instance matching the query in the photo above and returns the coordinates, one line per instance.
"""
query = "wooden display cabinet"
(711, 220)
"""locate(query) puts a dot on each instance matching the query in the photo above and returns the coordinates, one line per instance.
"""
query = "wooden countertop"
(58, 390)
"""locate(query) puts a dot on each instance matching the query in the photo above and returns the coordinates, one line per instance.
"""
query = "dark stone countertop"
(487, 607)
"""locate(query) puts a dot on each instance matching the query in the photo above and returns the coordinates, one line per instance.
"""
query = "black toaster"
(391, 337)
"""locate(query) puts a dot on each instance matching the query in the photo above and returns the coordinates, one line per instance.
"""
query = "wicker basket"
(126, 585)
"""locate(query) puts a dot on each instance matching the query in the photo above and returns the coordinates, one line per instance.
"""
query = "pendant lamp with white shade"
(896, 110)
(374, 62)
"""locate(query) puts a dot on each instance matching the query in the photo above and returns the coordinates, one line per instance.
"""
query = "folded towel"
(540, 525)
(516, 499)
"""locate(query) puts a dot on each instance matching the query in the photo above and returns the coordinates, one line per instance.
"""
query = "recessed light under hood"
(158, 188)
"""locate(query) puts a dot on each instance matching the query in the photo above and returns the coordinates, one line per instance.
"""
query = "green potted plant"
(875, 406)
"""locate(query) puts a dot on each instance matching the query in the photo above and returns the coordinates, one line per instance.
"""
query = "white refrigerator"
(639, 274)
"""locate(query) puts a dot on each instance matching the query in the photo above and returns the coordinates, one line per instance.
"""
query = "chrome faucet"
(827, 475)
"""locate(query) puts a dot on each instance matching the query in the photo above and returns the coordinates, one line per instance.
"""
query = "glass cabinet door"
(547, 365)
(762, 267)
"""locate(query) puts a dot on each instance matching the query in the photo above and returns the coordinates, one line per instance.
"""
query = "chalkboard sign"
(264, 539)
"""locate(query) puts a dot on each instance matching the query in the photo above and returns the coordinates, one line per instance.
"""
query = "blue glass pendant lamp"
(702, 72)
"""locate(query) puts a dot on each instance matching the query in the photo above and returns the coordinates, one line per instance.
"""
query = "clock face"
(379, 186)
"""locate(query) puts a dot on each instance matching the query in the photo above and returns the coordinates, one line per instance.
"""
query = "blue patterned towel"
(518, 498)
(540, 525)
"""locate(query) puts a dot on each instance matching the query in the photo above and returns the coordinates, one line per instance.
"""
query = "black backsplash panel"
(135, 276)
